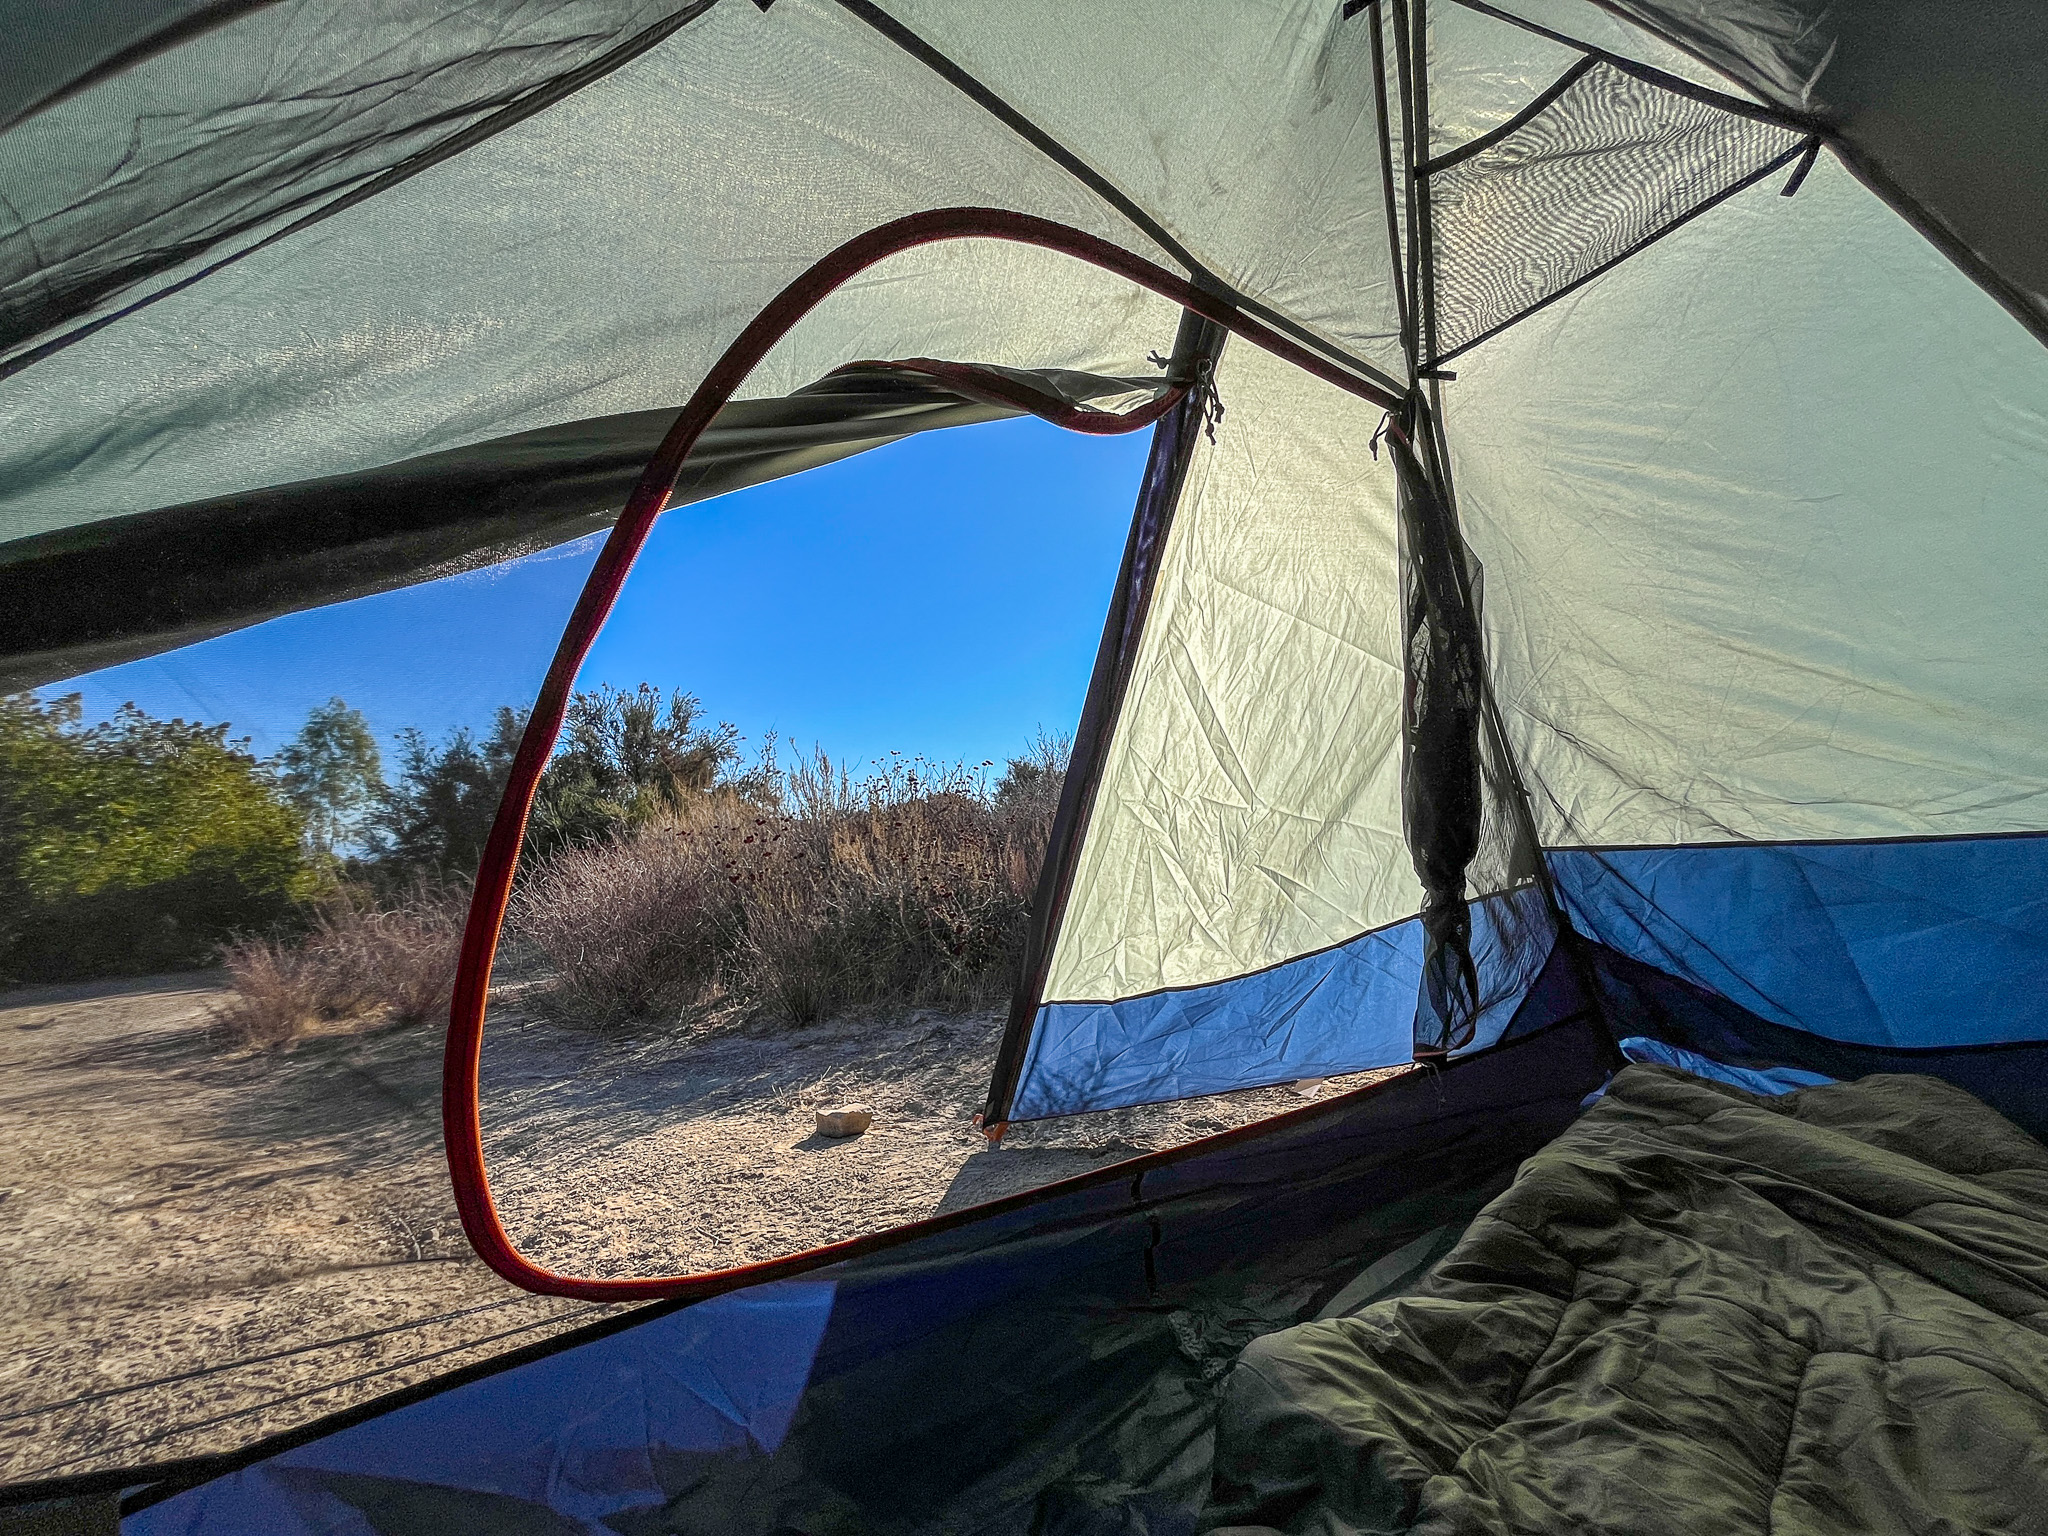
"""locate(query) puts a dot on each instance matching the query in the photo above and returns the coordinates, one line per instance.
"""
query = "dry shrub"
(637, 928)
(907, 888)
(358, 964)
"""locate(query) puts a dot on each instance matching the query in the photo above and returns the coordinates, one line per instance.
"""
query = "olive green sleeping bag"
(1697, 1311)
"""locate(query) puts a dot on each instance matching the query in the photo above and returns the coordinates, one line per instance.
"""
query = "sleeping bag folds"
(1697, 1311)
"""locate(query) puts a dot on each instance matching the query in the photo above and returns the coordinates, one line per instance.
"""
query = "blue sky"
(943, 595)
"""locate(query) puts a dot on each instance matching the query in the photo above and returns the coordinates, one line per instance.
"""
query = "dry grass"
(908, 887)
(359, 964)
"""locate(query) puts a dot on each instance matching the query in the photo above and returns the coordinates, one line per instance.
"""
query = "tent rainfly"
(1583, 606)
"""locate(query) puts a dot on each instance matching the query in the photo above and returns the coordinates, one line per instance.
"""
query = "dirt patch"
(201, 1245)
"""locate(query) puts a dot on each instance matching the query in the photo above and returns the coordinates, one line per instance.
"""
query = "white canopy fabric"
(1250, 808)
(1762, 515)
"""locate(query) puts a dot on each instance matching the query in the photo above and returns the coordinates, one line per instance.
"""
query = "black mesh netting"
(1487, 923)
(1605, 166)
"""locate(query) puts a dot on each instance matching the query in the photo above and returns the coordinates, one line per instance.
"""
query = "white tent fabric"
(1250, 809)
(596, 258)
(1250, 806)
(1762, 515)
(1462, 37)
(591, 260)
(1269, 174)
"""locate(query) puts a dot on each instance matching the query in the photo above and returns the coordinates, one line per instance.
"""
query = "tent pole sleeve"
(1195, 350)
(1411, 186)
(1388, 193)
(1424, 231)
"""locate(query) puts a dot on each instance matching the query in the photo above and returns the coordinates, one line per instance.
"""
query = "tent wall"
(1249, 807)
(1939, 108)
(1761, 511)
(1910, 943)
(1242, 911)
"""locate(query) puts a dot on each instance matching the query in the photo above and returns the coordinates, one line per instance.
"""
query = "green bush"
(136, 845)
(433, 822)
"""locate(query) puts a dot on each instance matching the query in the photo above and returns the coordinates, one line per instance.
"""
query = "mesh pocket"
(1604, 164)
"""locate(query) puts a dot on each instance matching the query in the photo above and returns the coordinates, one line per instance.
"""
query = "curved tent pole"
(461, 1114)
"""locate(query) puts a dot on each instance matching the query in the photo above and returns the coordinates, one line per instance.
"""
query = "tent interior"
(1577, 643)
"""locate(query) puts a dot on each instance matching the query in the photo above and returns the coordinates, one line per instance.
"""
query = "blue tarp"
(1910, 944)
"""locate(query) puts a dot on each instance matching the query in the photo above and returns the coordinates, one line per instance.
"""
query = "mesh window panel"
(1607, 165)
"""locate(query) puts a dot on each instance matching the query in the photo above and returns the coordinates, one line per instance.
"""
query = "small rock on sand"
(844, 1119)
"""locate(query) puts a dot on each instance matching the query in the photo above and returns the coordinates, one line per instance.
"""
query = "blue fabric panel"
(1768, 1082)
(1904, 944)
(1638, 999)
(562, 1443)
(1340, 1010)
(1337, 1011)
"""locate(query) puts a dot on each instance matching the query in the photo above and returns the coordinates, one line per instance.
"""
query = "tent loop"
(1799, 172)
(1208, 400)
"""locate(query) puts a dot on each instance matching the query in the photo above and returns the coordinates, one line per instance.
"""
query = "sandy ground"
(201, 1245)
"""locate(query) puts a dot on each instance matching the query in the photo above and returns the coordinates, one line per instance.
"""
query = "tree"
(625, 758)
(1031, 783)
(435, 820)
(332, 772)
(134, 845)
